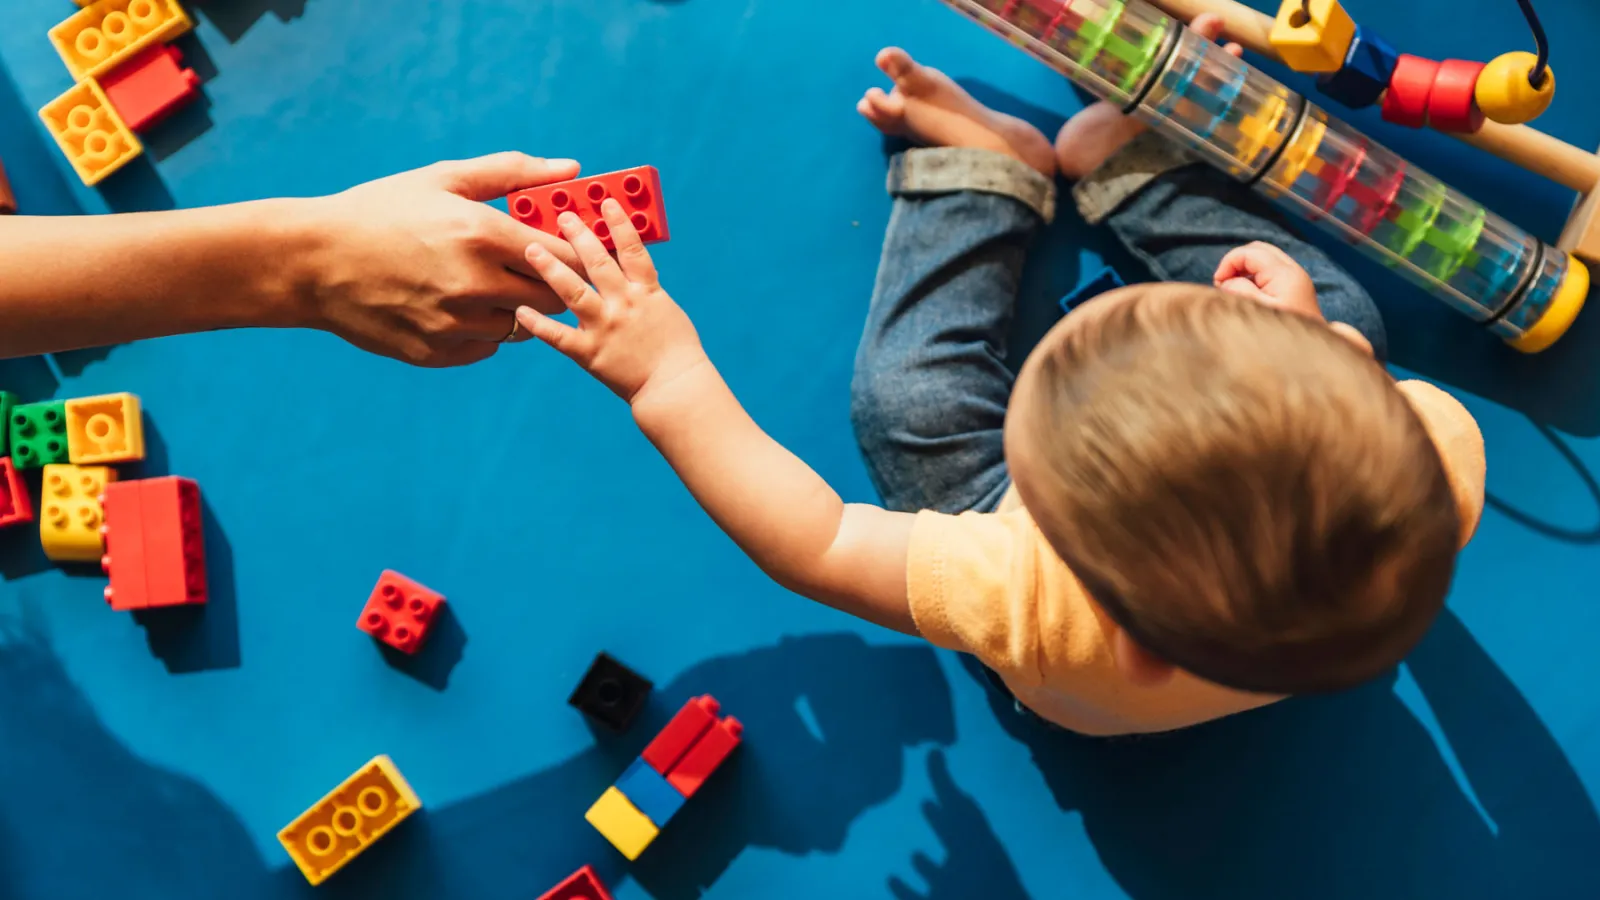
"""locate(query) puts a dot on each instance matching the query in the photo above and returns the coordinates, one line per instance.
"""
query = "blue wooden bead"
(1366, 72)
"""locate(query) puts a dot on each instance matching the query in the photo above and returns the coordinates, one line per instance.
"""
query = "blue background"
(158, 759)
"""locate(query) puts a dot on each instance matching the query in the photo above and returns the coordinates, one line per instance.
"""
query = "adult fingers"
(631, 254)
(483, 324)
(573, 291)
(506, 241)
(602, 270)
(563, 338)
(465, 354)
(498, 174)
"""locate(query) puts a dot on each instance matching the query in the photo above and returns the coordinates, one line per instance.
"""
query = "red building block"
(1406, 101)
(580, 885)
(638, 190)
(705, 756)
(687, 727)
(15, 505)
(1453, 101)
(148, 87)
(155, 549)
(400, 612)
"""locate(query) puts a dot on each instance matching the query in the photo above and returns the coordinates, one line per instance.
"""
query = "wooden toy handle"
(1521, 145)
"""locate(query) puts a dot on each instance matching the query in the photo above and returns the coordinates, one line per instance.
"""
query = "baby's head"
(1242, 490)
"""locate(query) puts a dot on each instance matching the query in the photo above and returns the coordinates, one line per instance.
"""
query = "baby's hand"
(630, 335)
(1267, 274)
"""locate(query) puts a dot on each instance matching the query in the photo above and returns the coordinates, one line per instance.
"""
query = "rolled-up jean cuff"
(1126, 173)
(946, 170)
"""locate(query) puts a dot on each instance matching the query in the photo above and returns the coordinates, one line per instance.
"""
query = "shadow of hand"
(975, 864)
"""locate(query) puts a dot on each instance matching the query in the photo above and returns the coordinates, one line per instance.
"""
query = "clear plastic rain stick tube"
(1258, 131)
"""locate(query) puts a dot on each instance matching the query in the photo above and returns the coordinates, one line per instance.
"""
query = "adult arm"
(412, 266)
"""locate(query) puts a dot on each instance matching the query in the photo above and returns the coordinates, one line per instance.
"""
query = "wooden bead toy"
(1505, 94)
(1312, 35)
(1365, 74)
(1452, 105)
(1406, 102)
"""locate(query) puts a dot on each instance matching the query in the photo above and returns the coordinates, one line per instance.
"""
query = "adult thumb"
(498, 174)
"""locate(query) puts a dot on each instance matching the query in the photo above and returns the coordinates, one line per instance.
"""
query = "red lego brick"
(1453, 101)
(1406, 101)
(148, 87)
(400, 612)
(174, 547)
(687, 727)
(122, 517)
(705, 756)
(15, 505)
(583, 884)
(638, 190)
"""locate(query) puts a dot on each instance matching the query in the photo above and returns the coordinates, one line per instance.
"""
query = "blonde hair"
(1246, 494)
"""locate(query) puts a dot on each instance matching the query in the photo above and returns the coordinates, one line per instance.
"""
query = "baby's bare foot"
(927, 106)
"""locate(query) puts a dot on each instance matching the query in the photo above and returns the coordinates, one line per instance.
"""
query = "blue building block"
(650, 792)
(1104, 280)
(1366, 72)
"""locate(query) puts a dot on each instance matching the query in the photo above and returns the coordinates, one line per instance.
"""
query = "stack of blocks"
(670, 770)
(128, 79)
(367, 806)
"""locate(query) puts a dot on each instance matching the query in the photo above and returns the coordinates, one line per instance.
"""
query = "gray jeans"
(931, 383)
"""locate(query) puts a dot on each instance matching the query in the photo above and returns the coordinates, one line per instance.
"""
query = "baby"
(1190, 502)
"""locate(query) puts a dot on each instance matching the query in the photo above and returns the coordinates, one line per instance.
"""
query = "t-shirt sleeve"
(972, 584)
(1460, 444)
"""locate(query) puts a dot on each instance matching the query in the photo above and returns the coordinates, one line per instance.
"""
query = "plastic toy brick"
(104, 429)
(38, 434)
(705, 756)
(621, 823)
(1406, 102)
(155, 548)
(105, 34)
(638, 190)
(69, 512)
(693, 720)
(15, 505)
(7, 401)
(400, 612)
(1365, 74)
(147, 88)
(1452, 103)
(367, 806)
(583, 884)
(1317, 42)
(89, 131)
(611, 693)
(650, 793)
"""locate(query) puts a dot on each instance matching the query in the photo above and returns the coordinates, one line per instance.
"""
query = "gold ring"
(512, 334)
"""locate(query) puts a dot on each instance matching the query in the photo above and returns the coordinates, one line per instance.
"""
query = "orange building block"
(688, 726)
(15, 505)
(103, 35)
(367, 806)
(637, 189)
(155, 550)
(705, 756)
(400, 612)
(104, 429)
(150, 86)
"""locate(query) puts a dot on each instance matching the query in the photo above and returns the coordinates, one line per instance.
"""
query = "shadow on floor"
(235, 17)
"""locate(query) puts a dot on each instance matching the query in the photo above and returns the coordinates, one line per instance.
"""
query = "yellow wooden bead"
(1314, 36)
(1503, 91)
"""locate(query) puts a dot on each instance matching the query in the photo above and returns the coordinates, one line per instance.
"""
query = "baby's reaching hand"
(1267, 274)
(630, 335)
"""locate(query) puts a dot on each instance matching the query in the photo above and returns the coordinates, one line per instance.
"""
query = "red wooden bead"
(1406, 102)
(1452, 104)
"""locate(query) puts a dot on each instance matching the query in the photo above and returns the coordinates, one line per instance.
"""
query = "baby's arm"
(638, 342)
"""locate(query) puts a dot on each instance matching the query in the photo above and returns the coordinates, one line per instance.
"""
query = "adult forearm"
(68, 282)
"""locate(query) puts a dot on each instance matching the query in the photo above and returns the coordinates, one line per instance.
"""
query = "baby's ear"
(1138, 665)
(1353, 336)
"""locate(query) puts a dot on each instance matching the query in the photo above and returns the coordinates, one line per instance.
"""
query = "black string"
(1541, 69)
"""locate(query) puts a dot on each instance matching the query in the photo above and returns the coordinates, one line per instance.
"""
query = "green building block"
(38, 434)
(7, 400)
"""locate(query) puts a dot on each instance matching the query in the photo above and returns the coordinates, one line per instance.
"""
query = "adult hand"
(417, 267)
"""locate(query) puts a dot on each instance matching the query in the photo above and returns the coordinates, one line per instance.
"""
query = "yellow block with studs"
(104, 429)
(70, 514)
(107, 33)
(628, 829)
(367, 806)
(1312, 36)
(89, 131)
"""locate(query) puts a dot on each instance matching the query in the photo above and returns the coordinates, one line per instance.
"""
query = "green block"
(38, 434)
(7, 400)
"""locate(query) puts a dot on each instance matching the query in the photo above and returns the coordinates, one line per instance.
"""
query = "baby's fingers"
(631, 254)
(563, 338)
(573, 291)
(602, 269)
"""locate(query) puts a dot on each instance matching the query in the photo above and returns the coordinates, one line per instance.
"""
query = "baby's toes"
(886, 111)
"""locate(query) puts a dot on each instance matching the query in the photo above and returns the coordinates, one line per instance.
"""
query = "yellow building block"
(89, 132)
(70, 513)
(1312, 37)
(367, 806)
(103, 35)
(614, 816)
(104, 429)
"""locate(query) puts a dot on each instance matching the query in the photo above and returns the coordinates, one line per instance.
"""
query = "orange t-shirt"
(989, 584)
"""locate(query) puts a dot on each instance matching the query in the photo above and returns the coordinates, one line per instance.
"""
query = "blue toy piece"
(650, 792)
(1366, 72)
(1104, 280)
(1222, 102)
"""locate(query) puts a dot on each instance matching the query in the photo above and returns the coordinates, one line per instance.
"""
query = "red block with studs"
(705, 756)
(583, 884)
(638, 190)
(148, 87)
(400, 612)
(1453, 100)
(155, 548)
(688, 726)
(15, 505)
